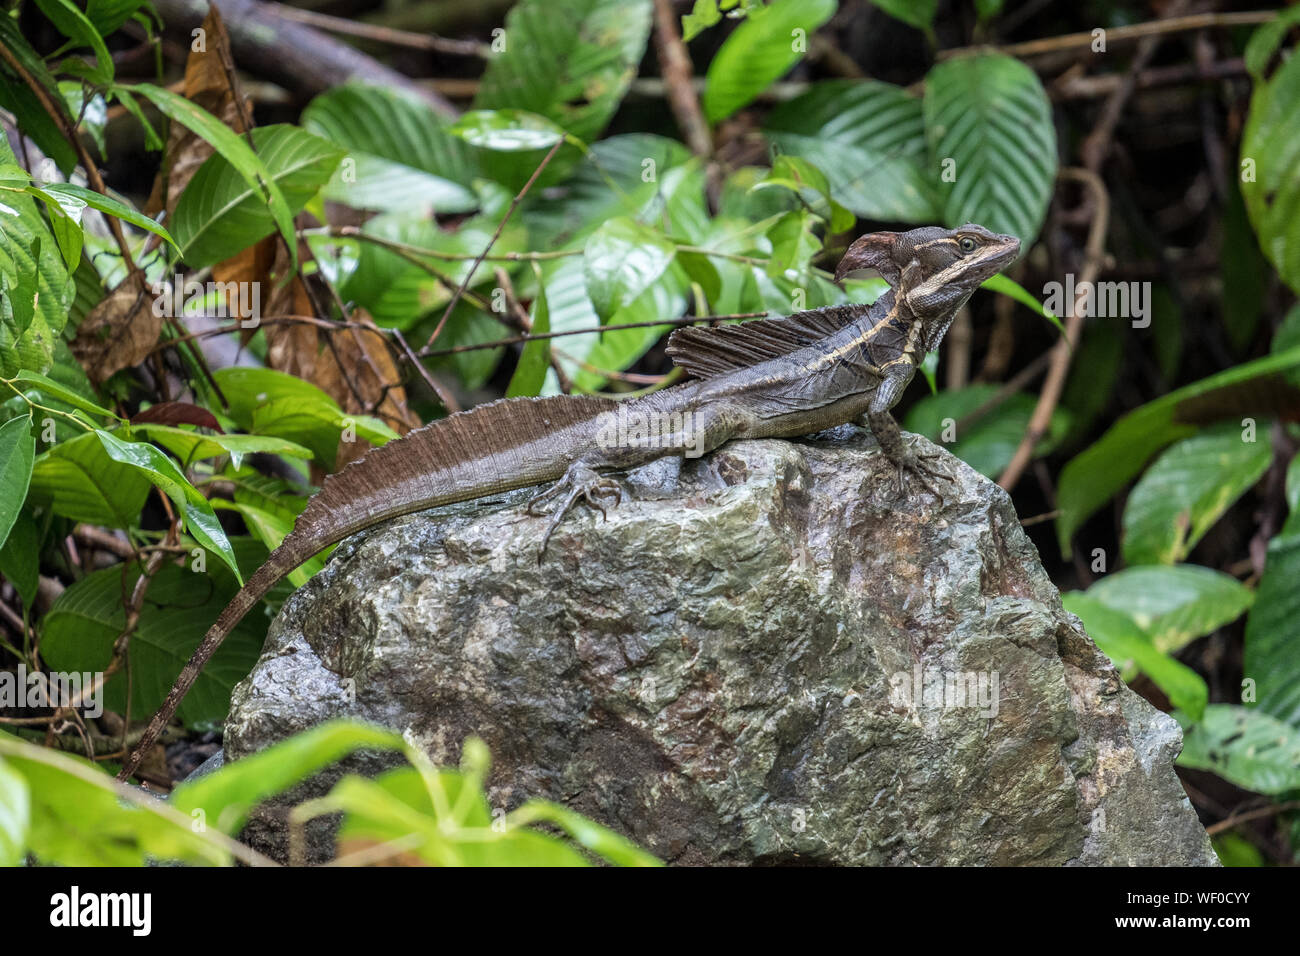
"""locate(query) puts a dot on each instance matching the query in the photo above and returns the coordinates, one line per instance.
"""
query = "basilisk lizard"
(779, 377)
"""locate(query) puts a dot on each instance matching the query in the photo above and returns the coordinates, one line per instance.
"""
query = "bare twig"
(389, 35)
(675, 65)
(1136, 31)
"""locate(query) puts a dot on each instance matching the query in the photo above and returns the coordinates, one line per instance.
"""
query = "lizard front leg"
(634, 437)
(895, 378)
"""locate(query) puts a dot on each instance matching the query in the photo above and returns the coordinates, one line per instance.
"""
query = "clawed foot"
(916, 464)
(580, 481)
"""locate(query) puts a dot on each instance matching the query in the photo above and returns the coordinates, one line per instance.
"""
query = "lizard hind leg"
(579, 481)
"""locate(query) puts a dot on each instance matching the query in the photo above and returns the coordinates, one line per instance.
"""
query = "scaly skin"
(771, 378)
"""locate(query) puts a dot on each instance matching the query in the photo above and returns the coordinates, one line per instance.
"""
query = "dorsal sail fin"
(705, 352)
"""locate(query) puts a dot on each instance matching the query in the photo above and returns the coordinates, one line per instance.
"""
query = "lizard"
(773, 377)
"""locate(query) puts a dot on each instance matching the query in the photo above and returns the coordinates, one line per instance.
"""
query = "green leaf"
(628, 175)
(77, 479)
(1243, 746)
(568, 60)
(1245, 274)
(1273, 628)
(220, 213)
(869, 139)
(80, 816)
(1127, 645)
(760, 51)
(799, 175)
(20, 557)
(510, 145)
(65, 222)
(623, 259)
(36, 290)
(109, 205)
(916, 13)
(179, 606)
(793, 245)
(228, 795)
(703, 15)
(989, 124)
(1186, 490)
(74, 25)
(15, 815)
(400, 156)
(1174, 605)
(988, 443)
(1014, 290)
(17, 452)
(530, 371)
(200, 520)
(1270, 153)
(1093, 476)
(190, 446)
(63, 393)
(228, 144)
(109, 15)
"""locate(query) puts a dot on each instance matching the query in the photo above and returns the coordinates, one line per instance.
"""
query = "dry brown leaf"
(208, 78)
(119, 332)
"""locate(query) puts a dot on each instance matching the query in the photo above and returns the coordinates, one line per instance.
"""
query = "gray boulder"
(761, 657)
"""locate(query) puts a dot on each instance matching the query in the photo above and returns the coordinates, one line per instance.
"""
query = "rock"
(726, 670)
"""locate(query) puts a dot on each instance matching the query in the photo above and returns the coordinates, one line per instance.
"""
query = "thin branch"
(389, 35)
(1071, 41)
(675, 65)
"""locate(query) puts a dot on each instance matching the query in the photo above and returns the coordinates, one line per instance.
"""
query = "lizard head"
(968, 254)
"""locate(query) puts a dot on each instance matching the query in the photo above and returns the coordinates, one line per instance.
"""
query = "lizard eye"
(966, 244)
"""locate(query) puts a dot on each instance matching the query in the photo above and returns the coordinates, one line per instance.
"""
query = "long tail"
(512, 443)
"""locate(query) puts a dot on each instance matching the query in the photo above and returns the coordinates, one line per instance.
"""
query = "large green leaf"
(989, 123)
(179, 607)
(399, 155)
(623, 259)
(647, 178)
(1128, 646)
(219, 213)
(77, 479)
(1174, 605)
(988, 443)
(869, 139)
(568, 60)
(16, 97)
(1270, 150)
(1186, 490)
(1243, 746)
(759, 52)
(1091, 478)
(17, 451)
(232, 147)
